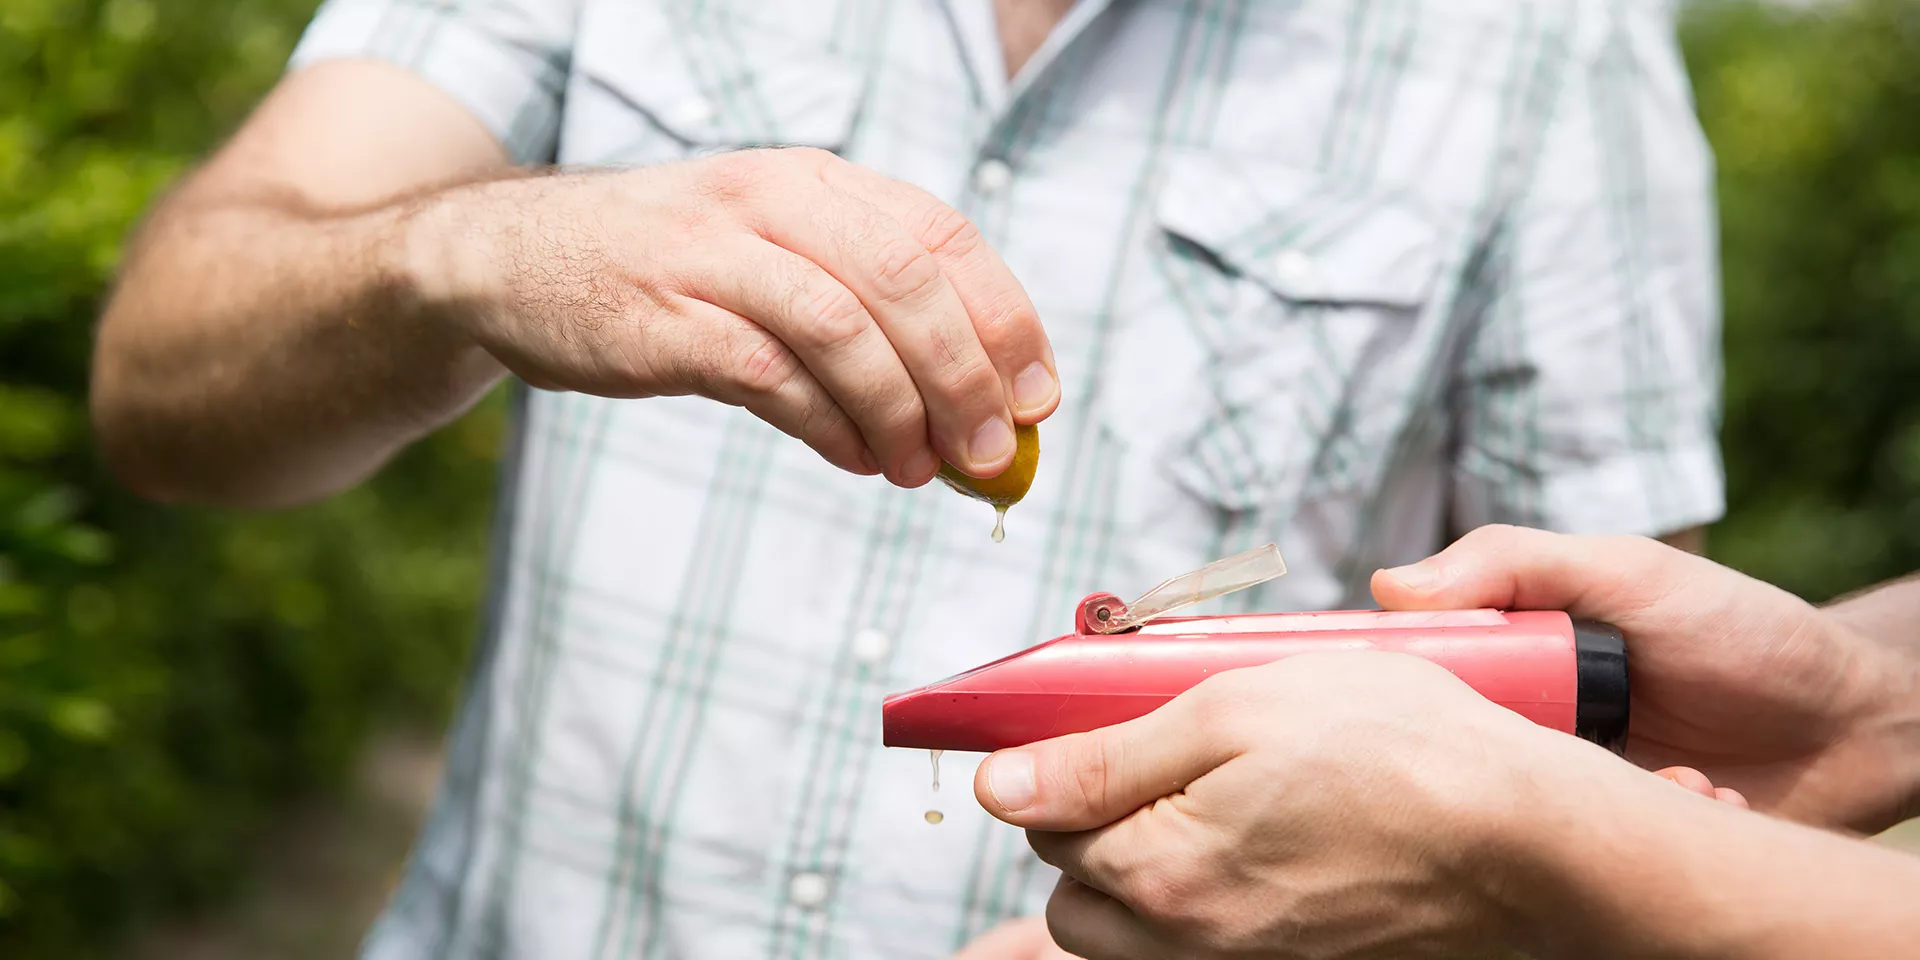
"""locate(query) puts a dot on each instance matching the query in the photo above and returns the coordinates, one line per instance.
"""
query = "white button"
(692, 111)
(1295, 269)
(870, 646)
(807, 890)
(992, 176)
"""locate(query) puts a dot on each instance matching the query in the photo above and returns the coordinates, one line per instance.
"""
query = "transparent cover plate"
(1216, 579)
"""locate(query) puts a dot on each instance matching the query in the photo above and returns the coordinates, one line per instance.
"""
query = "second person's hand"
(1754, 687)
(854, 312)
(1345, 805)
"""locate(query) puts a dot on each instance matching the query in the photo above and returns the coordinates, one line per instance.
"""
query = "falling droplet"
(999, 524)
(935, 754)
(935, 816)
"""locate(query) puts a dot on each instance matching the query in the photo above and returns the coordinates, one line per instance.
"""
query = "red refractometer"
(1124, 660)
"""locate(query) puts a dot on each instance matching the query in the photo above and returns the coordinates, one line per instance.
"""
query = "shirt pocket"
(1300, 290)
(657, 82)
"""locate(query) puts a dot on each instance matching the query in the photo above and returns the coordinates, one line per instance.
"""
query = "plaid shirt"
(1339, 274)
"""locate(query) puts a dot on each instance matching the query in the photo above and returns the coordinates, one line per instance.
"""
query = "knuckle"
(823, 421)
(1007, 317)
(1492, 534)
(946, 230)
(904, 271)
(905, 418)
(737, 175)
(674, 278)
(1090, 766)
(1218, 699)
(1169, 894)
(765, 367)
(832, 317)
(964, 371)
(812, 158)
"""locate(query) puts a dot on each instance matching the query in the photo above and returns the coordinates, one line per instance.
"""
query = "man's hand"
(1330, 805)
(361, 263)
(1762, 692)
(854, 312)
(1023, 939)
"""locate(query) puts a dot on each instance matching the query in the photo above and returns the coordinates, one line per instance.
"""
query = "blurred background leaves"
(1811, 112)
(169, 678)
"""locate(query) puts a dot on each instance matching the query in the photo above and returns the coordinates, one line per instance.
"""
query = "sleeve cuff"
(1647, 493)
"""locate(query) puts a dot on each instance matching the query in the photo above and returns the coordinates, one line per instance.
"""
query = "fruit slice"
(1009, 486)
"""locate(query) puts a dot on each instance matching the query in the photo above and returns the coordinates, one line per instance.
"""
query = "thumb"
(1086, 780)
(1517, 568)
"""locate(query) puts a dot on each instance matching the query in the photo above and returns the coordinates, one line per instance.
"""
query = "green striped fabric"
(1340, 274)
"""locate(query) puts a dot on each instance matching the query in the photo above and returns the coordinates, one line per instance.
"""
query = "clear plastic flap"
(1216, 579)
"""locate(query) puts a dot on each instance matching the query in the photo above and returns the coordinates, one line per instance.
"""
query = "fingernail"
(920, 467)
(1010, 779)
(868, 463)
(991, 442)
(1418, 576)
(1033, 388)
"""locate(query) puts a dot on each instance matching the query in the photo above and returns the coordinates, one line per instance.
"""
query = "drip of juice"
(1005, 490)
(935, 816)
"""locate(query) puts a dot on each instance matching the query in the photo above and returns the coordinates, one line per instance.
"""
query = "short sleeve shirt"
(1346, 277)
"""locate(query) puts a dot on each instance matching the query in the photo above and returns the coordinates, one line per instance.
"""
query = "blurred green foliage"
(167, 675)
(1812, 113)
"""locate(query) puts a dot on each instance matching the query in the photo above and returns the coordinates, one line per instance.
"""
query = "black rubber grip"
(1600, 658)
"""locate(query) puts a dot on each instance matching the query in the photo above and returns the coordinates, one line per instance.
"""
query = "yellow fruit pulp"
(1011, 484)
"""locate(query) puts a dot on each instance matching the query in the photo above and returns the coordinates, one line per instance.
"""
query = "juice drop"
(1007, 489)
(935, 754)
(935, 816)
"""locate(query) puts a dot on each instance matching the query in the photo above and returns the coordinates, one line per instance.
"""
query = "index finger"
(1086, 780)
(1003, 315)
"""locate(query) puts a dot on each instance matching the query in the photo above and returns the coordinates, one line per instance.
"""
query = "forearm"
(259, 353)
(1889, 617)
(1644, 871)
(1889, 613)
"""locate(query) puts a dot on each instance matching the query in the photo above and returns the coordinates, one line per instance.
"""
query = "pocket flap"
(1301, 235)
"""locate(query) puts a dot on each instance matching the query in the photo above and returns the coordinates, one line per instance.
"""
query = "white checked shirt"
(1330, 273)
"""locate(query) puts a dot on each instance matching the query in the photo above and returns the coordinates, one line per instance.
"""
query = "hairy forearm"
(260, 352)
(1644, 871)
